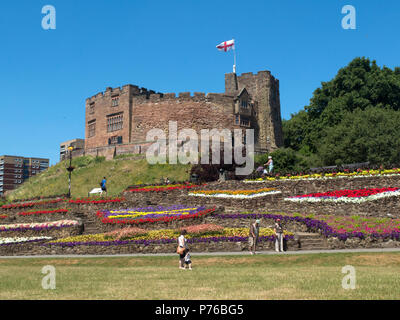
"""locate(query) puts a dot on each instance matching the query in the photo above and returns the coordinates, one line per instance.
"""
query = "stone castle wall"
(143, 110)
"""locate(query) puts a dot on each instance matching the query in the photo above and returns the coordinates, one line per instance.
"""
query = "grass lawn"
(89, 171)
(313, 276)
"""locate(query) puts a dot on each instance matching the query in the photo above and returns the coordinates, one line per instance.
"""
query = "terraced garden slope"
(89, 171)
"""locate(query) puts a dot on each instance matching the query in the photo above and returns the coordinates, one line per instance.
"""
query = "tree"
(341, 124)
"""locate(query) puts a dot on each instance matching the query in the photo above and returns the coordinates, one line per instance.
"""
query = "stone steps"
(311, 241)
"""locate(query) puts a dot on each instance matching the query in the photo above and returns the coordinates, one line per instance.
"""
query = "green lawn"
(314, 276)
(89, 171)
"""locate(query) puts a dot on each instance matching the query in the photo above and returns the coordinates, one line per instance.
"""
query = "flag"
(226, 45)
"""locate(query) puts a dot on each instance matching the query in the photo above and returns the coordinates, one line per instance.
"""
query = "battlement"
(135, 90)
(251, 74)
(183, 96)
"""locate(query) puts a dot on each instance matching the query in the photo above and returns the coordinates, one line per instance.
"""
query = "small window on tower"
(115, 101)
(237, 119)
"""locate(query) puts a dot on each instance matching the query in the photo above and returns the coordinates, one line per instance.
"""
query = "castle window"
(237, 119)
(244, 122)
(92, 129)
(115, 140)
(91, 107)
(115, 122)
(244, 104)
(115, 101)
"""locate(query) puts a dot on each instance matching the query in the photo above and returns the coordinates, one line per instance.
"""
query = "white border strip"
(324, 178)
(346, 199)
(234, 196)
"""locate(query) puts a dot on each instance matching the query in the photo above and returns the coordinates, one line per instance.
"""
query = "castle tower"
(264, 89)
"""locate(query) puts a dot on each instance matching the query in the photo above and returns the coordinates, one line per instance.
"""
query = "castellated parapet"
(124, 115)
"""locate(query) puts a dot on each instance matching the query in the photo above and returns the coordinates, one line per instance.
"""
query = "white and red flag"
(226, 45)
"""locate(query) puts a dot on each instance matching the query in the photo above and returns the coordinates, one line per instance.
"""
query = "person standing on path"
(182, 244)
(253, 236)
(103, 185)
(278, 236)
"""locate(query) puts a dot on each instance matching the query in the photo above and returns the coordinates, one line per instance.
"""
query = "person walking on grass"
(278, 236)
(253, 236)
(188, 261)
(103, 185)
(182, 249)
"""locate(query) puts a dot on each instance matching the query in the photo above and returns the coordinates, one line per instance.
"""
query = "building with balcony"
(15, 170)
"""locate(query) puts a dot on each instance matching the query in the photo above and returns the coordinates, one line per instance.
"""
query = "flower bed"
(353, 196)
(161, 188)
(152, 214)
(40, 212)
(165, 236)
(3, 216)
(335, 175)
(96, 200)
(38, 226)
(31, 204)
(333, 226)
(235, 194)
(19, 240)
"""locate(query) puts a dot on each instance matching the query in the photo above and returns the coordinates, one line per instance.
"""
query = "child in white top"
(188, 261)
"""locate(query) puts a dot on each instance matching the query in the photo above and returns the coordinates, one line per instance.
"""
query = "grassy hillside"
(89, 171)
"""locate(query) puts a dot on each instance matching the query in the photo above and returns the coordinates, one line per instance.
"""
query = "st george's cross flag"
(226, 45)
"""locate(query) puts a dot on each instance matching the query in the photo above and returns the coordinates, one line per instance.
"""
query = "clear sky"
(169, 46)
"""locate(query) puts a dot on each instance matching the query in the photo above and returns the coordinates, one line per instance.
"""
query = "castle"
(118, 120)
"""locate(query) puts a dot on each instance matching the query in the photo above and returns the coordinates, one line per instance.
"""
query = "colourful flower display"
(335, 175)
(169, 236)
(235, 194)
(38, 226)
(152, 214)
(126, 233)
(341, 227)
(202, 229)
(18, 240)
(3, 216)
(40, 212)
(162, 188)
(31, 204)
(351, 196)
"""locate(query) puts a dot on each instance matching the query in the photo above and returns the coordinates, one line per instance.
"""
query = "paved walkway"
(242, 253)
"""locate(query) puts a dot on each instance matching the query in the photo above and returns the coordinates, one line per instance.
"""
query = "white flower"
(346, 199)
(22, 239)
(234, 196)
(43, 225)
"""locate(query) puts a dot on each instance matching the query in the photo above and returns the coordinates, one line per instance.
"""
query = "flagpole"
(234, 56)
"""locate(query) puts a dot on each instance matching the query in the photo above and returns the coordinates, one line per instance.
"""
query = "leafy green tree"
(350, 118)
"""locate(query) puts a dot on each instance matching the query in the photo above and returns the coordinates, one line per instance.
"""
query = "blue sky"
(169, 46)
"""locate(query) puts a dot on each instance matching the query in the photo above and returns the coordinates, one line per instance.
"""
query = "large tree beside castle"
(355, 117)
